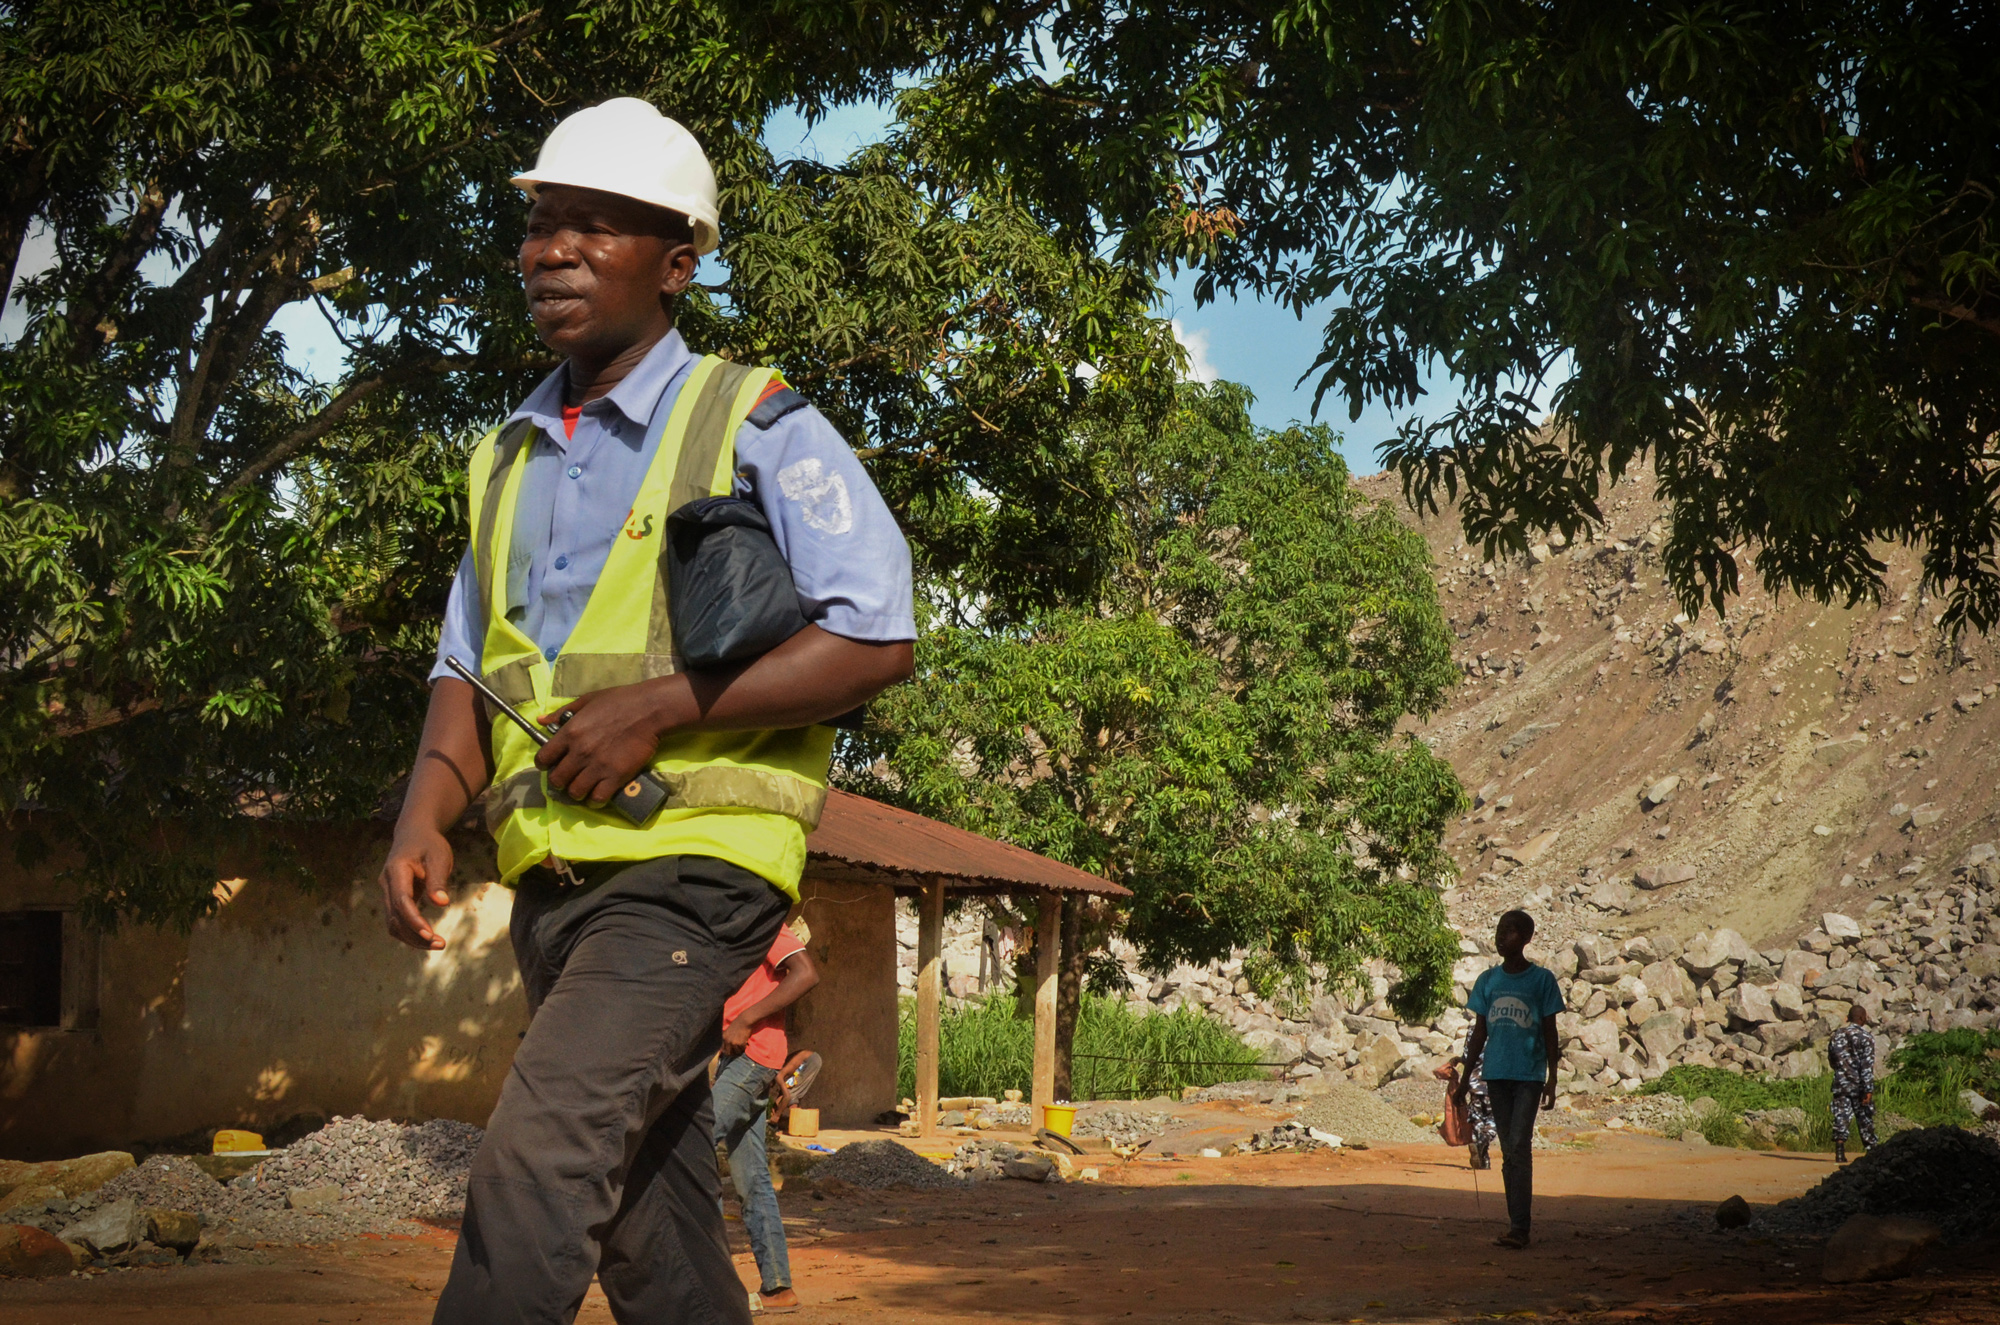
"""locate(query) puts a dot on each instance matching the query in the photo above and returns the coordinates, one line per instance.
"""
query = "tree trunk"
(1069, 996)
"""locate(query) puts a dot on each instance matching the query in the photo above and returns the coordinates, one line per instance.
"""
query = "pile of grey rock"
(1922, 958)
(351, 1177)
(985, 1161)
(876, 1165)
(1917, 960)
(410, 1170)
(1123, 1127)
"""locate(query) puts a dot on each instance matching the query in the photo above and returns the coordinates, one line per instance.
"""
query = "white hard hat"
(625, 146)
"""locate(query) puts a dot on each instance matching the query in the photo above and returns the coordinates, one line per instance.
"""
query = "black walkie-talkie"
(637, 800)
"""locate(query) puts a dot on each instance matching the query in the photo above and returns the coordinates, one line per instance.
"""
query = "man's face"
(1510, 939)
(595, 267)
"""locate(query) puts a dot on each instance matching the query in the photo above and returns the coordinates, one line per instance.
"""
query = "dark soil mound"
(1944, 1174)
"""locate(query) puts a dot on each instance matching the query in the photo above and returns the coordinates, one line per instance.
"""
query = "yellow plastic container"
(228, 1141)
(802, 1122)
(1058, 1117)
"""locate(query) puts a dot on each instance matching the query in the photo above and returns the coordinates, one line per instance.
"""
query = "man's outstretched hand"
(419, 860)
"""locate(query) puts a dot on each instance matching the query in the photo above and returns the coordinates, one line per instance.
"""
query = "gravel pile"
(232, 1216)
(386, 1174)
(1354, 1114)
(1944, 1174)
(1124, 1127)
(878, 1164)
(1422, 1093)
(168, 1182)
(416, 1171)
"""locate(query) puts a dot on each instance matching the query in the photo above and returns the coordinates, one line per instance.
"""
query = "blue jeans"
(742, 1102)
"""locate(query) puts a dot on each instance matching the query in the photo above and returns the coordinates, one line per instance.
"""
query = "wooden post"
(930, 1000)
(1048, 953)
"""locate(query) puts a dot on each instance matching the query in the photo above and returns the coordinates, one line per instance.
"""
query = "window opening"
(31, 946)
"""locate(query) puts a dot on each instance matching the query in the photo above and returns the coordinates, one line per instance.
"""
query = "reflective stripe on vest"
(772, 784)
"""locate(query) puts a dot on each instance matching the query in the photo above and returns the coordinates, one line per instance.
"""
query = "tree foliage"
(1751, 245)
(220, 578)
(1217, 730)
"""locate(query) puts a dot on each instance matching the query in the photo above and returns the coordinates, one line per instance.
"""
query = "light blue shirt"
(849, 561)
(1514, 1007)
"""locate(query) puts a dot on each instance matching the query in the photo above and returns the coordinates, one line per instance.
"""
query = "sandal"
(1513, 1240)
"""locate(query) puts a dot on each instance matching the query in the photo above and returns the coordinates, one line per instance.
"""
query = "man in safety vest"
(599, 1157)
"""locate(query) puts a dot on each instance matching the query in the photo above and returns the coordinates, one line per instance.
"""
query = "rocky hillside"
(1727, 829)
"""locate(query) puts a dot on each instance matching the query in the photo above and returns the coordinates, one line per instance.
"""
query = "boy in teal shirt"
(1514, 1041)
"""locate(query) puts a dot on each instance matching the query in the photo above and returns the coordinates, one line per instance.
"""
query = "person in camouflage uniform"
(1851, 1055)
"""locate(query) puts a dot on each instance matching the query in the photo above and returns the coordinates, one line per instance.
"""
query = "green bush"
(1944, 1063)
(986, 1049)
(1923, 1088)
(1722, 1128)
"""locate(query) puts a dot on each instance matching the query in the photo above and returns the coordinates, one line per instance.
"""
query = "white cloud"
(1196, 345)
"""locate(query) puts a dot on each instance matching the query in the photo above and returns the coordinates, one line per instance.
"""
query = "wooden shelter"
(876, 846)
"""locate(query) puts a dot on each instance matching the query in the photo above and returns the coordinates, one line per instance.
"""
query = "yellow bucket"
(1058, 1117)
(229, 1140)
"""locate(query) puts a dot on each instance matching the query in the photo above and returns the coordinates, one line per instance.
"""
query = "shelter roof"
(864, 841)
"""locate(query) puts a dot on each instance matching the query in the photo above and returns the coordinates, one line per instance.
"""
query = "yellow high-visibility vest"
(746, 797)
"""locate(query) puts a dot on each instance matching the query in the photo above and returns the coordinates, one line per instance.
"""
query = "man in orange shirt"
(753, 1054)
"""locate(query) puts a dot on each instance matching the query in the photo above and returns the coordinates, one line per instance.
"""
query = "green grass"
(986, 1049)
(1927, 1096)
(1723, 1128)
(1950, 1061)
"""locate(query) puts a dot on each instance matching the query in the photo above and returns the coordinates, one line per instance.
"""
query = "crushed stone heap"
(1944, 1174)
(878, 1164)
(414, 1170)
(1124, 1127)
(1353, 1114)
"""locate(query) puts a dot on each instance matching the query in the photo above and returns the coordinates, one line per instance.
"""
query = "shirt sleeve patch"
(821, 495)
(777, 401)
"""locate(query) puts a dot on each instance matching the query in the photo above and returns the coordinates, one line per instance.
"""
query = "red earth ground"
(1391, 1234)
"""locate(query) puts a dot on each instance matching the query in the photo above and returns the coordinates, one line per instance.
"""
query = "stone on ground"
(1732, 1213)
(112, 1229)
(1870, 1247)
(176, 1229)
(29, 1253)
(85, 1173)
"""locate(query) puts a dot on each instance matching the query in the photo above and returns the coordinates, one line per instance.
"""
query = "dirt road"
(1623, 1233)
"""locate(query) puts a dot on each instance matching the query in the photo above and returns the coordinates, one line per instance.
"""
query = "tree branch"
(288, 446)
(1958, 312)
(87, 313)
(28, 185)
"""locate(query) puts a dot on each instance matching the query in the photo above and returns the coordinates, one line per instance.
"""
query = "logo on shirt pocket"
(634, 528)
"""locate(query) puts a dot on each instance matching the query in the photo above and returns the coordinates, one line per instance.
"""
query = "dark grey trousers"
(1514, 1106)
(600, 1155)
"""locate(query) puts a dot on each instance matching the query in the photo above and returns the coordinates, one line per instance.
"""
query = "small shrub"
(1722, 1128)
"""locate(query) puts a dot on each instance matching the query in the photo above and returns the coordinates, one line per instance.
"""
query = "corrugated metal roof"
(865, 841)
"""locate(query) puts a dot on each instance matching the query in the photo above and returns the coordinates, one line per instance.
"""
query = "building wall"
(292, 999)
(287, 1000)
(849, 1018)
